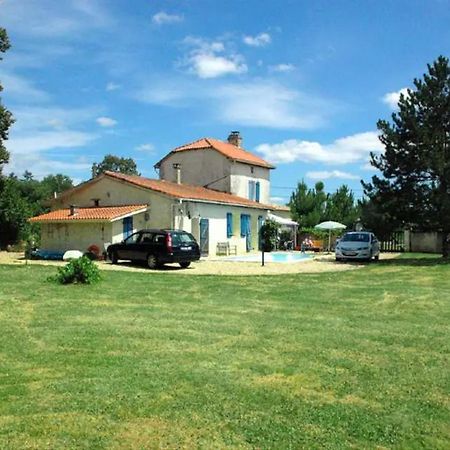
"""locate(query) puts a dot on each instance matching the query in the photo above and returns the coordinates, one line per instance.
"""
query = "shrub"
(269, 233)
(81, 270)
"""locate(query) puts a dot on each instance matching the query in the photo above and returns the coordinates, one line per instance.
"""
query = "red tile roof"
(229, 150)
(107, 213)
(186, 191)
(280, 208)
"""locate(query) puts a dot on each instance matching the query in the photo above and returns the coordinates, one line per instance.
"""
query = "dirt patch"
(319, 264)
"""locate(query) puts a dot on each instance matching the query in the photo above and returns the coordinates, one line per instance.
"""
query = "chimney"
(177, 168)
(235, 138)
(73, 210)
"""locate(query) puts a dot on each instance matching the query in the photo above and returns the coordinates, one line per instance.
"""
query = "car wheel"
(185, 265)
(338, 259)
(377, 257)
(152, 262)
(113, 258)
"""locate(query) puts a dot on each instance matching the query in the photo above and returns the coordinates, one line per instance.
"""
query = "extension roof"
(92, 214)
(229, 150)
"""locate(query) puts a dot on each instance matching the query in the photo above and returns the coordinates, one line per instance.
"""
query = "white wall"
(80, 235)
(217, 215)
(198, 167)
(74, 236)
(241, 174)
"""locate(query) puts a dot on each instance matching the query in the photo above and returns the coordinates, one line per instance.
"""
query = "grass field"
(356, 359)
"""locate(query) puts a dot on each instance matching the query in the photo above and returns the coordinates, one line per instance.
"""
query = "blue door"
(127, 227)
(246, 230)
(204, 236)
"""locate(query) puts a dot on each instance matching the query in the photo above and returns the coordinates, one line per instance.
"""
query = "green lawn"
(356, 359)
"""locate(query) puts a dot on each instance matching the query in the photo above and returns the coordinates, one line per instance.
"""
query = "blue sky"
(304, 81)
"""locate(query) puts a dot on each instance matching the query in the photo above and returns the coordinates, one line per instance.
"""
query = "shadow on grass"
(424, 260)
(143, 265)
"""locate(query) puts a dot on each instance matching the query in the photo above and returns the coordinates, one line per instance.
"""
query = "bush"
(269, 233)
(81, 270)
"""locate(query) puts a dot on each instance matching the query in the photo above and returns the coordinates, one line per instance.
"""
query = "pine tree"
(414, 188)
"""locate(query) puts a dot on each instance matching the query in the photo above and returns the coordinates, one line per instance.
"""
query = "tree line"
(310, 206)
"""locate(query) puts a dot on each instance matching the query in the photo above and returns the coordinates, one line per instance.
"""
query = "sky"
(303, 81)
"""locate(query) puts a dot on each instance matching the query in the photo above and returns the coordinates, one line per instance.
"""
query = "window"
(133, 239)
(146, 237)
(251, 190)
(229, 225)
(182, 239)
(257, 191)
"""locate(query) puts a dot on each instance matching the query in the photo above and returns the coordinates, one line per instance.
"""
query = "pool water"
(279, 257)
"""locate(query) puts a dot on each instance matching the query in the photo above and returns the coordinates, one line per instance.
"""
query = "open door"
(204, 237)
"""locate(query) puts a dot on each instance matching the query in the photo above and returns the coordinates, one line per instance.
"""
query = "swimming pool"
(279, 257)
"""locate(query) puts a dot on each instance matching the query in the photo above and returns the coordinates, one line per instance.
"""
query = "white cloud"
(21, 89)
(147, 148)
(345, 150)
(106, 122)
(327, 174)
(259, 40)
(268, 104)
(48, 140)
(48, 18)
(256, 103)
(111, 86)
(40, 167)
(163, 18)
(278, 200)
(391, 98)
(37, 118)
(210, 65)
(208, 59)
(284, 68)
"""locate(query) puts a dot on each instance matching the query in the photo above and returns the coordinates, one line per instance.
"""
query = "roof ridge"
(193, 142)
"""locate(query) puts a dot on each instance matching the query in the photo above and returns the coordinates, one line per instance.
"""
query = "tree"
(14, 212)
(115, 164)
(414, 188)
(6, 118)
(341, 207)
(55, 183)
(22, 198)
(308, 205)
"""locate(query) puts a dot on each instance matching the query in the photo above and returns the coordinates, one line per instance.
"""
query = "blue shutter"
(243, 225)
(251, 190)
(229, 225)
(257, 191)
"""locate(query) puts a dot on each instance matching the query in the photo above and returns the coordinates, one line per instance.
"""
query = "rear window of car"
(182, 238)
(356, 237)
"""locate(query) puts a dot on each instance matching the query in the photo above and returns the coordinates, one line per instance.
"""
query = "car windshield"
(182, 238)
(355, 237)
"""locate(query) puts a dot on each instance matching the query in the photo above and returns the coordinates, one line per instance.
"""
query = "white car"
(358, 245)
